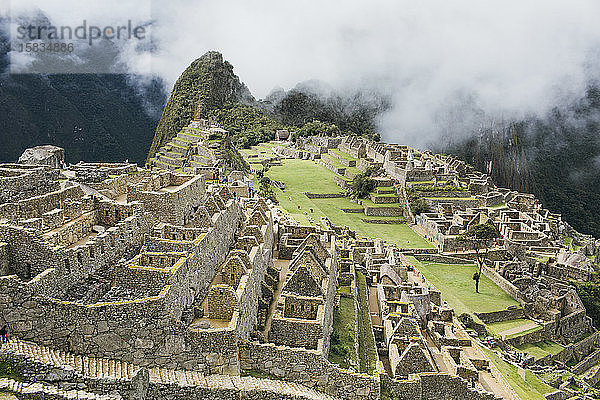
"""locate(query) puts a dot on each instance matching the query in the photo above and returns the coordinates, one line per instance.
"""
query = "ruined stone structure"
(119, 282)
(534, 259)
(195, 150)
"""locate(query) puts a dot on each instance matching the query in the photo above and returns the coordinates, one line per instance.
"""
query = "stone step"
(95, 368)
(172, 161)
(175, 154)
(41, 390)
(166, 166)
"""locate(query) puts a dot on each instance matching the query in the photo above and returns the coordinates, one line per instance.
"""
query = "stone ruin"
(161, 283)
(532, 261)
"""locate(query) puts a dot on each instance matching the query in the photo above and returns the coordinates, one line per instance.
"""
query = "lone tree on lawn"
(480, 237)
(362, 184)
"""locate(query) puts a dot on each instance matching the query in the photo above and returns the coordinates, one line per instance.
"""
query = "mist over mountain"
(353, 111)
(555, 156)
(95, 117)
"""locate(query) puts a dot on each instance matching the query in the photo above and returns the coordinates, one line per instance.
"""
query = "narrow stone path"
(283, 266)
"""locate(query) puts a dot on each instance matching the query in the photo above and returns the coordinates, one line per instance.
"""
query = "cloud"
(445, 65)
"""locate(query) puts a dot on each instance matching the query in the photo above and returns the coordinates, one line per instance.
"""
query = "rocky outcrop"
(207, 84)
(43, 155)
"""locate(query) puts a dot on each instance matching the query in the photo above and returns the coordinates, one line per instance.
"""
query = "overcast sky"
(438, 60)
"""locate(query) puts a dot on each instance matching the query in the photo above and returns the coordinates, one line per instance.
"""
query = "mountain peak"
(207, 84)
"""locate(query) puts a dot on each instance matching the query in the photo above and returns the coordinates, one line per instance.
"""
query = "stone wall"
(140, 387)
(383, 211)
(502, 315)
(546, 333)
(324, 195)
(296, 332)
(307, 367)
(21, 182)
(176, 206)
(34, 207)
(504, 284)
(145, 331)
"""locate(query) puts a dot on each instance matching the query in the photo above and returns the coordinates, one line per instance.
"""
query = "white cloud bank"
(444, 63)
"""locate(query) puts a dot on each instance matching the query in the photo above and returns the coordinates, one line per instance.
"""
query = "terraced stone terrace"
(298, 175)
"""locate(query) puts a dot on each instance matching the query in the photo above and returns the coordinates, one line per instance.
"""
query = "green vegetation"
(542, 154)
(362, 185)
(257, 374)
(367, 351)
(532, 388)
(480, 237)
(454, 281)
(567, 241)
(264, 184)
(343, 335)
(207, 84)
(541, 349)
(318, 128)
(247, 125)
(499, 327)
(94, 117)
(7, 396)
(349, 114)
(298, 175)
(345, 290)
(512, 335)
(419, 206)
(432, 188)
(343, 155)
(589, 293)
(6, 371)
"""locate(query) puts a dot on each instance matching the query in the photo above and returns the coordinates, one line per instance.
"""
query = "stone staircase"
(99, 368)
(178, 154)
(40, 390)
(102, 368)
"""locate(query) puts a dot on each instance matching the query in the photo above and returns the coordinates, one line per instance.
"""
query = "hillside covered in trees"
(555, 157)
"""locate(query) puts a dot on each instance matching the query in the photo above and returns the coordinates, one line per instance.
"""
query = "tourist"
(4, 334)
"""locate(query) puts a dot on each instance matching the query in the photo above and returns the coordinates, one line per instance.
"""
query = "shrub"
(362, 185)
(419, 206)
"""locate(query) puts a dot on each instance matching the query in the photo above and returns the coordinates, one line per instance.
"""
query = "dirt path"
(374, 307)
(283, 266)
(487, 380)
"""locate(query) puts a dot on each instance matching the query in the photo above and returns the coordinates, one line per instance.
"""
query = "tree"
(362, 185)
(419, 206)
(480, 237)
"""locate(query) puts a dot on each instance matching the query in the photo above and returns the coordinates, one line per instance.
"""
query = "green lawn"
(343, 155)
(306, 176)
(532, 388)
(455, 281)
(7, 396)
(498, 327)
(541, 349)
(343, 336)
(345, 289)
(512, 335)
